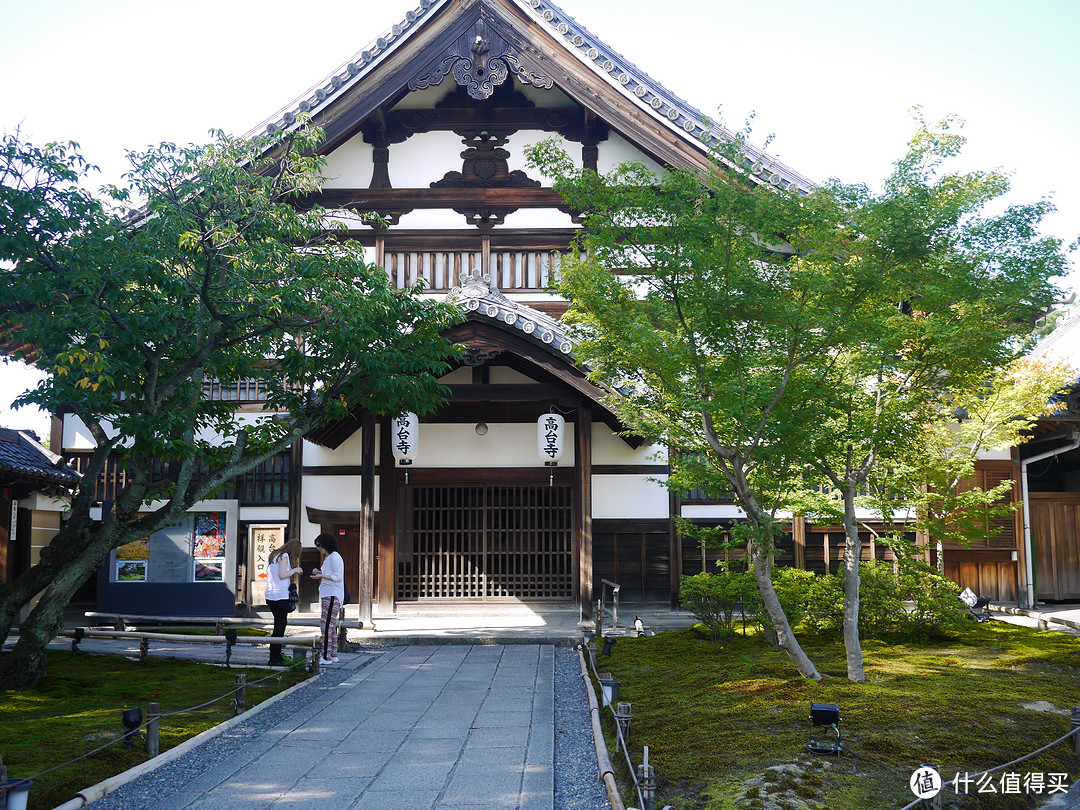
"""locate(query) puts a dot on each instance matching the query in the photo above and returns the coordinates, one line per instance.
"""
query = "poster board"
(262, 539)
(200, 547)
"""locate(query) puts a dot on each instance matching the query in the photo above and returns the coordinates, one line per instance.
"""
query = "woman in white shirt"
(282, 564)
(331, 578)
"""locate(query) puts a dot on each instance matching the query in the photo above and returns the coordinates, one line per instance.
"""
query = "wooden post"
(153, 728)
(1075, 719)
(798, 536)
(296, 489)
(647, 780)
(387, 523)
(624, 717)
(240, 701)
(144, 648)
(675, 552)
(583, 470)
(825, 545)
(934, 802)
(367, 517)
(316, 657)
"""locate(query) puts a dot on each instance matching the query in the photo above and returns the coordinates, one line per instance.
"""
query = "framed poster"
(208, 543)
(262, 539)
(132, 560)
(131, 570)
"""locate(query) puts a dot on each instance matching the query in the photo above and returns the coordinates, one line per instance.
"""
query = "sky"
(829, 83)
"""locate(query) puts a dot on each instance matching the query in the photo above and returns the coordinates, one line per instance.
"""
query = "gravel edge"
(577, 776)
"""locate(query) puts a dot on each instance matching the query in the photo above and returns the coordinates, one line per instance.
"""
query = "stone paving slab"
(467, 728)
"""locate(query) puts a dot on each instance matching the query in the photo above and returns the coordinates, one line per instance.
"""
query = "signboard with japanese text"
(262, 539)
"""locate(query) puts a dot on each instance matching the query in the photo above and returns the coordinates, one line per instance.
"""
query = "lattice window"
(487, 542)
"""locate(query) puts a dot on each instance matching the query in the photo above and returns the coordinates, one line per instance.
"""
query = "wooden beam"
(507, 392)
(376, 199)
(470, 476)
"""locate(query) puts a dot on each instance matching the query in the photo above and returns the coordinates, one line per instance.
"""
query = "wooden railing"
(251, 389)
(443, 270)
(264, 485)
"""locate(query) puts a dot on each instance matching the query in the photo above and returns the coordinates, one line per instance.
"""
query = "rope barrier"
(621, 742)
(141, 727)
(1016, 761)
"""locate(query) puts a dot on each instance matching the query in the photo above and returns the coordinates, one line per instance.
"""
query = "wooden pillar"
(296, 489)
(798, 535)
(367, 516)
(385, 587)
(825, 551)
(583, 481)
(675, 553)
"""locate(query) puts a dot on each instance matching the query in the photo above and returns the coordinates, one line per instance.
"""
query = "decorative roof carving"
(672, 112)
(484, 165)
(477, 293)
(480, 60)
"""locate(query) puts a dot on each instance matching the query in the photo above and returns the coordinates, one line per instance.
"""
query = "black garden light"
(230, 640)
(609, 688)
(609, 642)
(76, 637)
(824, 715)
(132, 719)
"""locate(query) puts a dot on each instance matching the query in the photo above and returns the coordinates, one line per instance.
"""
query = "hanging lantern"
(405, 439)
(550, 439)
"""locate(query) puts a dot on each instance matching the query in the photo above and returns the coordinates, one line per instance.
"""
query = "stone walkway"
(422, 727)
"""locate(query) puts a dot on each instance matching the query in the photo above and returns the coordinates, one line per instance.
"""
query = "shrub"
(912, 602)
(793, 589)
(713, 599)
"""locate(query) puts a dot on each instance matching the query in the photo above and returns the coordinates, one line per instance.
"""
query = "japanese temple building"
(427, 127)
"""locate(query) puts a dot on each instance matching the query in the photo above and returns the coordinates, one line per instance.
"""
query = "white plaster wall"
(616, 150)
(712, 512)
(629, 496)
(351, 451)
(330, 492)
(505, 445)
(608, 448)
(996, 455)
(553, 97)
(433, 219)
(461, 376)
(519, 141)
(264, 514)
(350, 165)
(241, 419)
(76, 436)
(537, 218)
(424, 158)
(428, 97)
(507, 376)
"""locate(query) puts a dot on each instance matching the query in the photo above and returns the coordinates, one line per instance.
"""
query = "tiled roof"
(477, 294)
(675, 114)
(23, 456)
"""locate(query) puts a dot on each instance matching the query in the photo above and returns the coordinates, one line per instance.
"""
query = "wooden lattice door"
(485, 542)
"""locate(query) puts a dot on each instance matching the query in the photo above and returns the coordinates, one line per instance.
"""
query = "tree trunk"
(852, 555)
(25, 666)
(20, 591)
(785, 638)
(65, 545)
